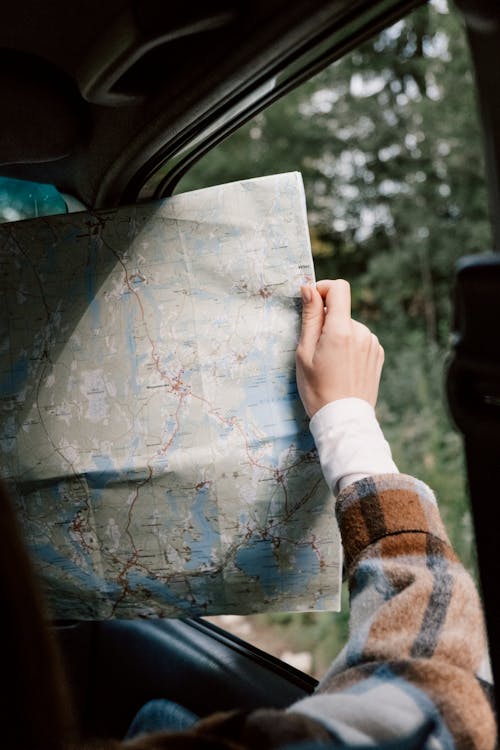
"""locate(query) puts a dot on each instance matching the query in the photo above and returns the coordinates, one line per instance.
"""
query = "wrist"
(351, 406)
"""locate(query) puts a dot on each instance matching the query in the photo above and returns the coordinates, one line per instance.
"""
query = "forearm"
(417, 645)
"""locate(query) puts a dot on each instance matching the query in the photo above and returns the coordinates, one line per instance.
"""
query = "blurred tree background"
(389, 146)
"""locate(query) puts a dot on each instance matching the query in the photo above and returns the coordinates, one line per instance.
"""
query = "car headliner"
(96, 95)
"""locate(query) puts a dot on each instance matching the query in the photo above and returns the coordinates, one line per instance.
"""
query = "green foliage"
(389, 146)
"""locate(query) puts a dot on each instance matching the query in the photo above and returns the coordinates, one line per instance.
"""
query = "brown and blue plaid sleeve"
(416, 662)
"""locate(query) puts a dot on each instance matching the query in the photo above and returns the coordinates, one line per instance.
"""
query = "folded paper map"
(151, 432)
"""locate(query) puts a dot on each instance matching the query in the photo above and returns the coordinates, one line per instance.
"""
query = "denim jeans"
(160, 714)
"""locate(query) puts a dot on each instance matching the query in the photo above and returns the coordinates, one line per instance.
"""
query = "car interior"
(112, 103)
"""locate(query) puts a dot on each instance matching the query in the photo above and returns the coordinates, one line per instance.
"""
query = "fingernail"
(306, 294)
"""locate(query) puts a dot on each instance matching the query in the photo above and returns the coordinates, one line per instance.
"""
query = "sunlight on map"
(152, 434)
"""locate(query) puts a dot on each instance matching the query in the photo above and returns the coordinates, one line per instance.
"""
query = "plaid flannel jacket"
(416, 662)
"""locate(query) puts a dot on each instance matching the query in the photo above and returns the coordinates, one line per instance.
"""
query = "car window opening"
(391, 156)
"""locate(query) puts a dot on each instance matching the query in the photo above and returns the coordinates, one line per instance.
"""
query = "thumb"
(313, 316)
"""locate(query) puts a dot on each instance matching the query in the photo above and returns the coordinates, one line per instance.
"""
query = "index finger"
(337, 297)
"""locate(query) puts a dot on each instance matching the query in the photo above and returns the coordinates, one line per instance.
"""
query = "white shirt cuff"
(350, 442)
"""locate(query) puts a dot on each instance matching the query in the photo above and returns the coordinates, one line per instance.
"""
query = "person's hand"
(336, 356)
